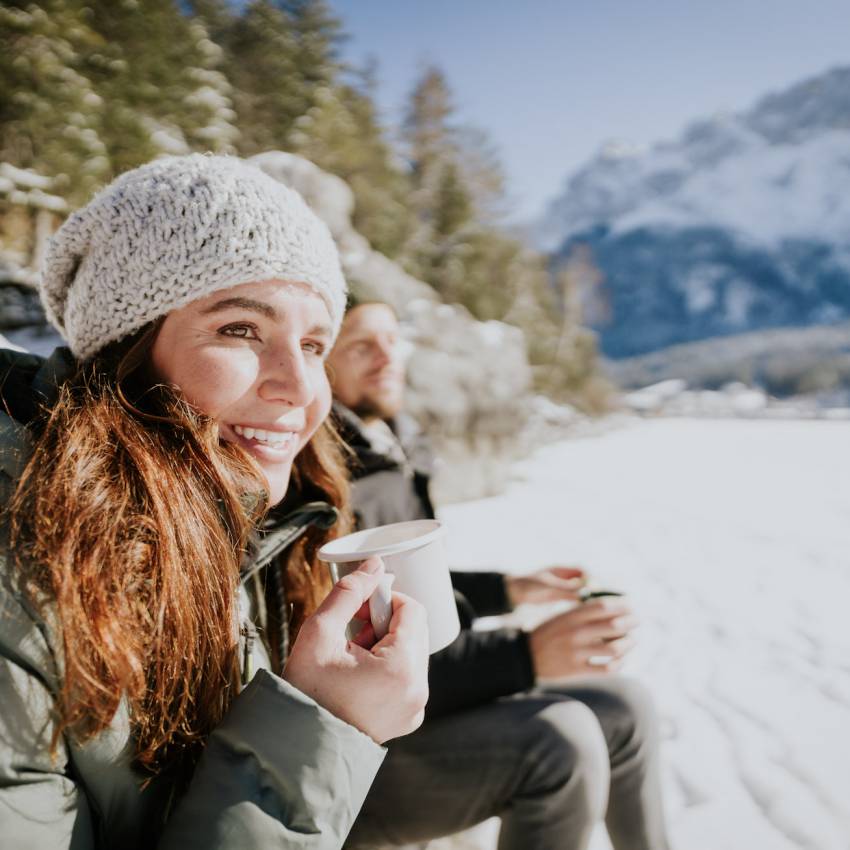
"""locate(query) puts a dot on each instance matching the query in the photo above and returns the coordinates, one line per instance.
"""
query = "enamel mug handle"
(381, 606)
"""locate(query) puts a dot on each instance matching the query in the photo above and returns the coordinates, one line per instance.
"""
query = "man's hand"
(564, 645)
(551, 584)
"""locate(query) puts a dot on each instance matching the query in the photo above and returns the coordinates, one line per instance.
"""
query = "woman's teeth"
(270, 438)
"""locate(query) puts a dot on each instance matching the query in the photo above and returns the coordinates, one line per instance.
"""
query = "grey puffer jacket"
(279, 771)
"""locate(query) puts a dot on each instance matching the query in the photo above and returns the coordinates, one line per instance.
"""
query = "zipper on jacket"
(249, 635)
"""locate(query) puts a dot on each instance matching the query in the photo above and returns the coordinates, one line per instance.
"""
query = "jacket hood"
(28, 383)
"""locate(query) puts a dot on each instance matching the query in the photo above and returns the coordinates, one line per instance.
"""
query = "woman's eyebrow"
(245, 303)
(320, 330)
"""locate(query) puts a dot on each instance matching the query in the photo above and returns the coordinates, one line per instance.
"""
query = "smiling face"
(252, 358)
(367, 363)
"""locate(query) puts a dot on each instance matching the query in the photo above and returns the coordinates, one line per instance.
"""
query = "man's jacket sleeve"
(479, 666)
(485, 591)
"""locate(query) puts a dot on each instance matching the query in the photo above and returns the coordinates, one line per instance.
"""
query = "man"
(550, 760)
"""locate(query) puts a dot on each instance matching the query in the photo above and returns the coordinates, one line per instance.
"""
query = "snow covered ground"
(732, 539)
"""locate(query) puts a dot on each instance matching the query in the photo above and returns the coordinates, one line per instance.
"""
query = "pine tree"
(381, 186)
(139, 71)
(271, 92)
(457, 246)
(318, 35)
(341, 134)
(452, 205)
(102, 86)
(161, 75)
(51, 114)
(482, 174)
(426, 130)
(216, 16)
(432, 251)
(209, 106)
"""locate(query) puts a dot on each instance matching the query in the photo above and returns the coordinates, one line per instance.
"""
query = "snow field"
(732, 541)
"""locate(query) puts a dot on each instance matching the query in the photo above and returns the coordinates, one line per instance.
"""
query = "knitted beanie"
(175, 230)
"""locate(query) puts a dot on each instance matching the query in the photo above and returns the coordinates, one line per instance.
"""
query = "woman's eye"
(240, 331)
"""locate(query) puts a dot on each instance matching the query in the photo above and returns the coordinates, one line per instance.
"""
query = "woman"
(142, 474)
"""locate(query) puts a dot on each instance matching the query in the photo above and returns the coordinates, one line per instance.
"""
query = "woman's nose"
(287, 379)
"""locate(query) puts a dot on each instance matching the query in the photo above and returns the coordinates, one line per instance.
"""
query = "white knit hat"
(173, 231)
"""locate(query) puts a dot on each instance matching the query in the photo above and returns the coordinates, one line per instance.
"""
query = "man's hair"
(355, 301)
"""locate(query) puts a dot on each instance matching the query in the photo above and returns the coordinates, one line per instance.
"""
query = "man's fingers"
(618, 648)
(348, 595)
(564, 580)
(599, 631)
(598, 665)
(605, 608)
(606, 649)
(571, 574)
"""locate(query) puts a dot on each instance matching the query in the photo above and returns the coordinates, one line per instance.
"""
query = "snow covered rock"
(651, 399)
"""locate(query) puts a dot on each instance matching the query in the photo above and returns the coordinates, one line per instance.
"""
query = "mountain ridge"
(739, 224)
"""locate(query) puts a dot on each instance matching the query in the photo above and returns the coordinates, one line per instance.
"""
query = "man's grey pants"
(550, 762)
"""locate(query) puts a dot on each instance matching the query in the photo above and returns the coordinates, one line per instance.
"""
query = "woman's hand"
(564, 645)
(548, 585)
(381, 690)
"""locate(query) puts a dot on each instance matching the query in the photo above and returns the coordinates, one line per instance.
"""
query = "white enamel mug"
(414, 554)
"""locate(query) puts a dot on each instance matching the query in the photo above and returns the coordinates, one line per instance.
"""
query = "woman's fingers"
(350, 593)
(366, 636)
(379, 687)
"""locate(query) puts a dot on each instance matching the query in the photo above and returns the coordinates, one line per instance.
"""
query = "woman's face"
(253, 358)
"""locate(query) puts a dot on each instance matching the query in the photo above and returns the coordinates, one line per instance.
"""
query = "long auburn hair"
(127, 529)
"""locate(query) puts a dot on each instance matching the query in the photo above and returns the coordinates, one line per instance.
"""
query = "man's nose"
(385, 353)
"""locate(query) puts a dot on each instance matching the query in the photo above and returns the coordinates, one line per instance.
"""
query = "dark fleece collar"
(29, 383)
(365, 460)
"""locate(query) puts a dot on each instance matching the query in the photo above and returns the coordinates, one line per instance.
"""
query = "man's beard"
(377, 408)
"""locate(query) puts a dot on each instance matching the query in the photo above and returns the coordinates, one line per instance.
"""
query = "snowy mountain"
(742, 223)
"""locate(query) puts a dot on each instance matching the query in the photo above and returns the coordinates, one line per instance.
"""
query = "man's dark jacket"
(480, 665)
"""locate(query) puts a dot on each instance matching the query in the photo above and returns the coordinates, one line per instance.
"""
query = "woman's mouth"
(272, 445)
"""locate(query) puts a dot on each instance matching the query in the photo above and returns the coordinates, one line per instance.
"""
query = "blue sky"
(552, 81)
